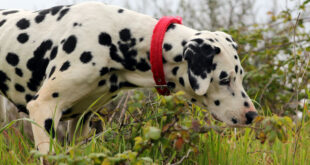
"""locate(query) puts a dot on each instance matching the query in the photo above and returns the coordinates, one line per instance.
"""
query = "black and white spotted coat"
(54, 63)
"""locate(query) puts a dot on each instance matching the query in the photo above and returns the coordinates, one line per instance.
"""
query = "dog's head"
(215, 75)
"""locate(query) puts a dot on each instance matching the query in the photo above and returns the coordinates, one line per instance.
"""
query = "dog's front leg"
(46, 116)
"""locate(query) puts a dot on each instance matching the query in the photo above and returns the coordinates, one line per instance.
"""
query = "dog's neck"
(175, 67)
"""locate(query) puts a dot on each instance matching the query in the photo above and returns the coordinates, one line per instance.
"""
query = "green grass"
(182, 139)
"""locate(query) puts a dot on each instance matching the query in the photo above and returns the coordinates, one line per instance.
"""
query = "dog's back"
(32, 43)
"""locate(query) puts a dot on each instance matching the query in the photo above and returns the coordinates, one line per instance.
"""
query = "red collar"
(156, 53)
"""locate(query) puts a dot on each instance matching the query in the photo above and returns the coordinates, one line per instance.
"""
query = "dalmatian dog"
(55, 63)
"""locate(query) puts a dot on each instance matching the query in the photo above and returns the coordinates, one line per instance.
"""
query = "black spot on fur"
(217, 50)
(62, 14)
(3, 78)
(2, 22)
(197, 34)
(39, 18)
(19, 88)
(19, 72)
(127, 58)
(175, 70)
(234, 120)
(48, 125)
(105, 39)
(246, 104)
(233, 93)
(197, 40)
(23, 24)
(171, 27)
(129, 54)
(229, 40)
(211, 40)
(55, 10)
(22, 38)
(236, 68)
(12, 59)
(125, 34)
(181, 81)
(223, 75)
(9, 12)
(178, 58)
(193, 81)
(37, 65)
(171, 85)
(243, 95)
(44, 12)
(101, 83)
(241, 71)
(203, 75)
(103, 71)
(52, 71)
(86, 57)
(235, 47)
(22, 108)
(167, 47)
(113, 78)
(141, 39)
(236, 57)
(183, 43)
(65, 66)
(143, 65)
(120, 11)
(69, 44)
(217, 102)
(213, 66)
(55, 95)
(199, 58)
(54, 53)
(113, 88)
(113, 83)
(28, 97)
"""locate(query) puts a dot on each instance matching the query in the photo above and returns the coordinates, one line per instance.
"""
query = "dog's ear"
(199, 57)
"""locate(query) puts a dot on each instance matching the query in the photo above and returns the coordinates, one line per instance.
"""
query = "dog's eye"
(225, 81)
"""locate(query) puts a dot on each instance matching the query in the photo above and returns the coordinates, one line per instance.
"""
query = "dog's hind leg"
(82, 129)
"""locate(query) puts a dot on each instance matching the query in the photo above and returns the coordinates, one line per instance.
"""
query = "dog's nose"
(250, 116)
